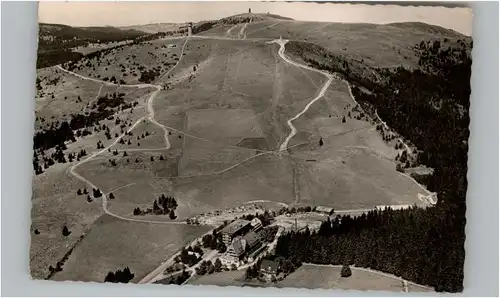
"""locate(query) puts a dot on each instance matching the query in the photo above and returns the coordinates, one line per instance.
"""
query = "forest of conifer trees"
(429, 107)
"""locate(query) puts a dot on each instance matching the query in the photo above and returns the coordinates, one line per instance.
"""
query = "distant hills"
(386, 45)
(57, 36)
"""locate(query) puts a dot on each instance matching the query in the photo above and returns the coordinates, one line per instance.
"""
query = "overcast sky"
(134, 13)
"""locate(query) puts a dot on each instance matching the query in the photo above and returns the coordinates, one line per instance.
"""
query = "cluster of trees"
(206, 267)
(114, 80)
(96, 193)
(417, 244)
(164, 205)
(46, 139)
(204, 26)
(149, 75)
(266, 217)
(110, 101)
(119, 276)
(214, 241)
(253, 271)
(190, 259)
(177, 279)
(267, 234)
(57, 156)
(56, 36)
(56, 136)
(80, 192)
(320, 58)
(53, 136)
(56, 41)
(293, 210)
(55, 57)
(429, 107)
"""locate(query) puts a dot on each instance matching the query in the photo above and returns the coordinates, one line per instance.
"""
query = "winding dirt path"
(281, 52)
(150, 117)
(427, 198)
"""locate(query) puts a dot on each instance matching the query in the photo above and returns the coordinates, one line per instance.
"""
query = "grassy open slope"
(57, 97)
(352, 178)
(354, 168)
(126, 63)
(314, 277)
(55, 202)
(222, 279)
(145, 135)
(233, 103)
(202, 157)
(108, 177)
(377, 45)
(322, 277)
(54, 205)
(265, 177)
(113, 244)
(233, 79)
(213, 117)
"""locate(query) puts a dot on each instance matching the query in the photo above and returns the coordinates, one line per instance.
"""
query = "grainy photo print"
(265, 144)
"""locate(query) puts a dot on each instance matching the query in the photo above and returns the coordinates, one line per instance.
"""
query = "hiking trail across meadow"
(151, 114)
(150, 117)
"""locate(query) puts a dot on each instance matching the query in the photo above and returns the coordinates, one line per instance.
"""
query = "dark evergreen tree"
(218, 265)
(346, 271)
(65, 231)
(97, 193)
(156, 209)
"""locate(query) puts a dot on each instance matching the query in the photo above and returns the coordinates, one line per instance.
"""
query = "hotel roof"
(235, 226)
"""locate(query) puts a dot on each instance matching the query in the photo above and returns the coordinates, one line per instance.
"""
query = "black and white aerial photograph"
(252, 144)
